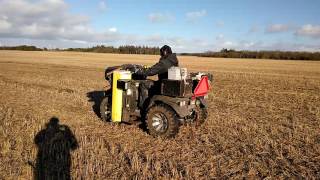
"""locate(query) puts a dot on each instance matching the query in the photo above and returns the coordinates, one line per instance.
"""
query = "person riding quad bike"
(167, 60)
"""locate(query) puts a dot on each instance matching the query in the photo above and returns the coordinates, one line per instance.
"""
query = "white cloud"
(309, 30)
(5, 26)
(254, 45)
(289, 46)
(160, 18)
(220, 37)
(26, 22)
(178, 44)
(228, 43)
(195, 15)
(75, 41)
(219, 23)
(248, 44)
(46, 19)
(154, 38)
(277, 45)
(49, 20)
(113, 29)
(276, 28)
(49, 23)
(102, 6)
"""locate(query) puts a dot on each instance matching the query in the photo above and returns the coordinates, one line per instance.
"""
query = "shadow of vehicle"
(96, 97)
(55, 144)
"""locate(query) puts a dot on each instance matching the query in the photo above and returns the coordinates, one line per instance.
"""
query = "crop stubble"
(264, 119)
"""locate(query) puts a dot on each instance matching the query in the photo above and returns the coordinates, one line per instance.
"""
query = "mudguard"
(173, 102)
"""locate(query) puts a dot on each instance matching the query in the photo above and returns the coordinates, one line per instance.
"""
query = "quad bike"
(161, 106)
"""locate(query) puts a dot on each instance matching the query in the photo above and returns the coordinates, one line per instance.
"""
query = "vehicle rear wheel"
(105, 109)
(162, 121)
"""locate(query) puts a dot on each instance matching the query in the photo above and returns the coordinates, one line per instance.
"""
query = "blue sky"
(188, 26)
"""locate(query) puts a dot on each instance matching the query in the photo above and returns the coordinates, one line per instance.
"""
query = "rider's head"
(165, 51)
(53, 123)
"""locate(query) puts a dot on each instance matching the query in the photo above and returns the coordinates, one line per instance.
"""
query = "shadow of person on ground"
(96, 97)
(55, 144)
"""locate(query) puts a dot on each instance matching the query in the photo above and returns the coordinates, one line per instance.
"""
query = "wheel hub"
(107, 112)
(160, 122)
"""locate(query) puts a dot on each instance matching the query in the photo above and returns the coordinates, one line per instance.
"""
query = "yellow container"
(116, 109)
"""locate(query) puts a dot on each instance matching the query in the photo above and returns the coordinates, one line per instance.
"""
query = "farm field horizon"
(264, 119)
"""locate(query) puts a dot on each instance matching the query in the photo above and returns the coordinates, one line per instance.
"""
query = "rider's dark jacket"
(161, 68)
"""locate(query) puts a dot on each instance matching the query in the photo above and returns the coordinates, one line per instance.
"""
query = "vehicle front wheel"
(162, 121)
(105, 109)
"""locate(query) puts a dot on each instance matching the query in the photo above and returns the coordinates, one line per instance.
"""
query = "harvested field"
(264, 119)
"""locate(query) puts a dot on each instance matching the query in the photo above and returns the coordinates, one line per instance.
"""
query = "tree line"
(224, 53)
(279, 55)
(127, 49)
(119, 50)
(21, 48)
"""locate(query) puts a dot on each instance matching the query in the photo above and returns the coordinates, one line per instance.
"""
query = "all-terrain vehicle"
(161, 105)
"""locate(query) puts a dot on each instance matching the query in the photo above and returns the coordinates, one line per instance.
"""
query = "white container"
(176, 73)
